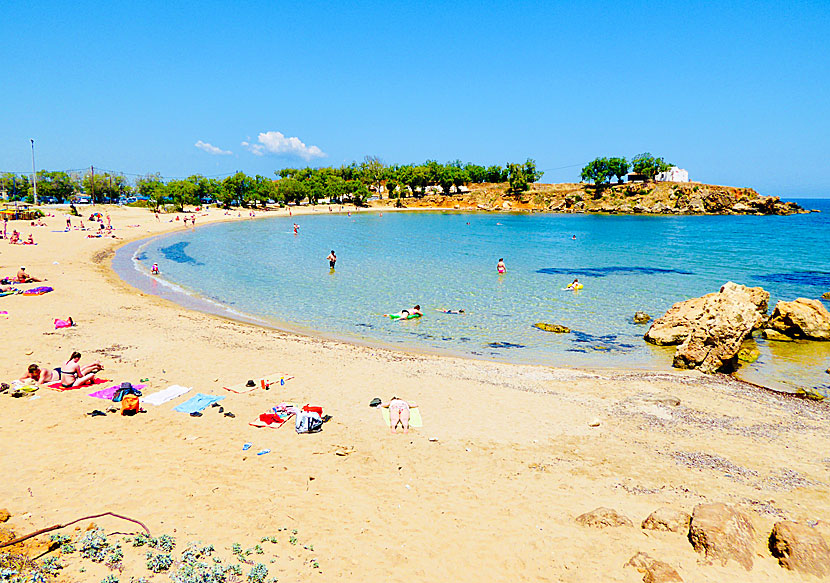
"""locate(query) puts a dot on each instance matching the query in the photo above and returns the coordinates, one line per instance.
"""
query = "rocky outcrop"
(723, 534)
(802, 318)
(670, 519)
(603, 518)
(654, 571)
(641, 318)
(800, 548)
(710, 329)
(742, 208)
(826, 295)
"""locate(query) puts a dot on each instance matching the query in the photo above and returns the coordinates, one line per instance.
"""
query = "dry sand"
(487, 490)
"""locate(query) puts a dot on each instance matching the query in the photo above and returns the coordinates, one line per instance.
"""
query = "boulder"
(748, 354)
(641, 318)
(558, 328)
(579, 205)
(557, 206)
(625, 208)
(800, 548)
(654, 571)
(723, 533)
(602, 518)
(802, 318)
(4, 515)
(696, 204)
(826, 295)
(710, 329)
(640, 209)
(775, 336)
(660, 208)
(670, 519)
(742, 208)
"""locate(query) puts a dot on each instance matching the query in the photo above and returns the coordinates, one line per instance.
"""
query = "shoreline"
(515, 457)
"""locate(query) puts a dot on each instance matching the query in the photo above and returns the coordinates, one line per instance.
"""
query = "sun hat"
(126, 385)
(250, 383)
(375, 402)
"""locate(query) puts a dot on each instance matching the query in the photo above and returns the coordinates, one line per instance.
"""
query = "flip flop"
(263, 452)
(229, 414)
(247, 446)
(195, 414)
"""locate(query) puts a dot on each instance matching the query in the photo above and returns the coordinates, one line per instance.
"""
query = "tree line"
(354, 183)
(601, 170)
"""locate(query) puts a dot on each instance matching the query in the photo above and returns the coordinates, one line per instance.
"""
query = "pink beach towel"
(110, 392)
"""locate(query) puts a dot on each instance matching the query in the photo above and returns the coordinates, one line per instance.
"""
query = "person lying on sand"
(23, 277)
(398, 413)
(42, 375)
(72, 374)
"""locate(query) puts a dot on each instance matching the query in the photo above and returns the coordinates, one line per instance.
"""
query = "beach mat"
(197, 402)
(414, 416)
(165, 395)
(272, 379)
(109, 393)
(58, 387)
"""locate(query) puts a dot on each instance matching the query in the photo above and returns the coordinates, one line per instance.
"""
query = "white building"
(673, 174)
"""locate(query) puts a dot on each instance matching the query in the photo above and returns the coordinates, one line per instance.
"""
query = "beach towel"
(414, 416)
(167, 394)
(271, 379)
(197, 402)
(271, 420)
(37, 291)
(58, 387)
(109, 393)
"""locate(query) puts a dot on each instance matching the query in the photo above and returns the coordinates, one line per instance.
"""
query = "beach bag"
(129, 405)
(308, 422)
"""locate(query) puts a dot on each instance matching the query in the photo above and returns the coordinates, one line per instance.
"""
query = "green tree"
(264, 190)
(16, 186)
(531, 173)
(496, 174)
(292, 190)
(238, 187)
(649, 165)
(182, 192)
(372, 172)
(517, 178)
(618, 167)
(55, 184)
(476, 173)
(597, 171)
(153, 188)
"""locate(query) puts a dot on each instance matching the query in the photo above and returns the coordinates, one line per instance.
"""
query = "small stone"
(800, 548)
(641, 318)
(4, 515)
(602, 518)
(593, 423)
(558, 328)
(654, 571)
(748, 354)
(669, 519)
(775, 336)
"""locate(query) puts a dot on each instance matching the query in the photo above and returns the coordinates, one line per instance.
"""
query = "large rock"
(741, 208)
(696, 204)
(802, 318)
(602, 518)
(654, 571)
(670, 519)
(4, 515)
(710, 329)
(723, 534)
(800, 548)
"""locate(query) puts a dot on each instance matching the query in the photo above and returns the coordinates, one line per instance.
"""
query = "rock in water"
(654, 571)
(748, 354)
(669, 519)
(552, 328)
(602, 518)
(710, 329)
(775, 336)
(800, 548)
(802, 318)
(722, 533)
(826, 295)
(641, 318)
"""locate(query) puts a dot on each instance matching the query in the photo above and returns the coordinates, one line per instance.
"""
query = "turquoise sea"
(439, 260)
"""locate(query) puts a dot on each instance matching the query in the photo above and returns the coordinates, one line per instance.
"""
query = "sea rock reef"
(801, 318)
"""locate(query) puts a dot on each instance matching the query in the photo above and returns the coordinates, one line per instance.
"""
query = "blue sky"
(738, 94)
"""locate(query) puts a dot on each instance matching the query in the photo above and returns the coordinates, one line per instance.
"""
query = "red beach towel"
(59, 387)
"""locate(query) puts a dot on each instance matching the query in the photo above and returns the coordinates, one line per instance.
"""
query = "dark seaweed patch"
(141, 256)
(606, 271)
(504, 345)
(606, 342)
(811, 278)
(177, 253)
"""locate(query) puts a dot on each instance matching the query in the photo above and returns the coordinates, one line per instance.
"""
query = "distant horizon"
(733, 93)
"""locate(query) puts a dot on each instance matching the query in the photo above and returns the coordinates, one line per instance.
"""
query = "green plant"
(258, 573)
(110, 579)
(94, 545)
(158, 563)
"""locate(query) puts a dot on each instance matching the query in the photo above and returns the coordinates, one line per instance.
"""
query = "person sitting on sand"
(15, 238)
(41, 375)
(398, 413)
(574, 285)
(500, 266)
(72, 374)
(30, 240)
(23, 277)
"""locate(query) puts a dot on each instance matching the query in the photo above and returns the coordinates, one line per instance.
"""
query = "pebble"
(594, 423)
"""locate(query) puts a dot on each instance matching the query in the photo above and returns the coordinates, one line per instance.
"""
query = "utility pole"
(34, 174)
(92, 182)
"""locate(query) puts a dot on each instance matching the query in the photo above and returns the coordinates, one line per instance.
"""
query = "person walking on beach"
(500, 267)
(332, 259)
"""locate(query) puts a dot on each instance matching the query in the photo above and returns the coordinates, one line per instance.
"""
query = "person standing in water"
(500, 267)
(332, 259)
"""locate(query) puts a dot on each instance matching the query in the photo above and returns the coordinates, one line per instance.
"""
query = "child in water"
(500, 267)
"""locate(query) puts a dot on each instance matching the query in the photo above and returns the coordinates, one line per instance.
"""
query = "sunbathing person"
(398, 413)
(23, 277)
(42, 376)
(74, 375)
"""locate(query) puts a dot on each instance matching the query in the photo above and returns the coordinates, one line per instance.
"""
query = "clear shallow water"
(448, 260)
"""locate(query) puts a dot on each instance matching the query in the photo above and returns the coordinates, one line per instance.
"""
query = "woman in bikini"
(398, 413)
(72, 374)
(41, 376)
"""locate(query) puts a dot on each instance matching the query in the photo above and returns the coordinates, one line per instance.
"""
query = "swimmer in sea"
(155, 269)
(500, 267)
(332, 259)
(575, 285)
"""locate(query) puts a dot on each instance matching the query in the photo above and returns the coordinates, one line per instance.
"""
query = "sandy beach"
(488, 489)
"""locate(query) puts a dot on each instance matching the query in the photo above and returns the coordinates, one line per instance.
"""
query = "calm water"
(448, 260)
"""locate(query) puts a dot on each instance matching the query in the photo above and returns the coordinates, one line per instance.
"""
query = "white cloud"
(211, 149)
(277, 143)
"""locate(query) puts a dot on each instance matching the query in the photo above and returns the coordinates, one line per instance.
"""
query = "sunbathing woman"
(398, 413)
(75, 375)
(42, 376)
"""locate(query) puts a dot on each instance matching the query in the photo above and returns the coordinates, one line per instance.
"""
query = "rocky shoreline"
(643, 198)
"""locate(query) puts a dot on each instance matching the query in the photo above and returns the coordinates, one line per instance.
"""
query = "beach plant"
(164, 543)
(51, 566)
(94, 545)
(140, 539)
(160, 562)
(114, 557)
(258, 574)
(110, 579)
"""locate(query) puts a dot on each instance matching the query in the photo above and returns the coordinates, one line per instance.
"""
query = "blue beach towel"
(197, 402)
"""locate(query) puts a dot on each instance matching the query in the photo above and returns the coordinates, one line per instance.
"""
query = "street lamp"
(34, 174)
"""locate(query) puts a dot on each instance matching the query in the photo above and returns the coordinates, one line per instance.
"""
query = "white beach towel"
(165, 395)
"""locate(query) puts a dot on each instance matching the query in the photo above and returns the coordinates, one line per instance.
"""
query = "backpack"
(129, 405)
(308, 422)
